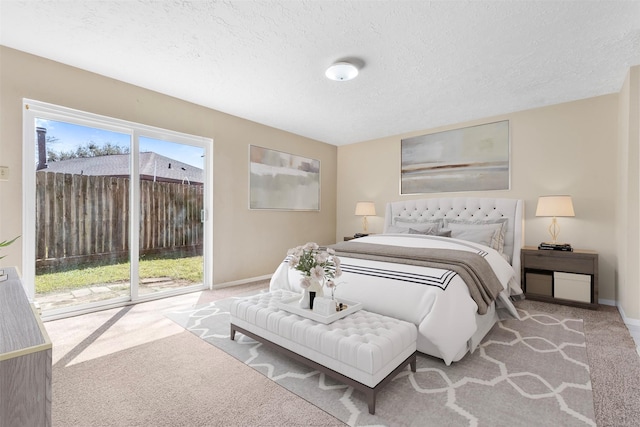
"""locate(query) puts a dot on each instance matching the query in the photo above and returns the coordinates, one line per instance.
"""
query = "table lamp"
(555, 206)
(365, 209)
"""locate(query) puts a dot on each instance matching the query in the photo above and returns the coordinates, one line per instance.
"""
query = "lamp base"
(555, 246)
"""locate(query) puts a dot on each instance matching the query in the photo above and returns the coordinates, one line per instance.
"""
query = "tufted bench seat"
(364, 350)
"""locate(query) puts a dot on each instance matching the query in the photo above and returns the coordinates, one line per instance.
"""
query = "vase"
(318, 289)
(312, 296)
(305, 301)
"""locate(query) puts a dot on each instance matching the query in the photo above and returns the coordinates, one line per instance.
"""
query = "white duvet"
(440, 305)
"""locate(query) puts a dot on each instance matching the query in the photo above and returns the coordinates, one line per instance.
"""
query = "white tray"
(292, 306)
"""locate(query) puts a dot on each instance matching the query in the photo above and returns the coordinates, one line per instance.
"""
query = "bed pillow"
(431, 232)
(397, 230)
(417, 223)
(475, 234)
(488, 232)
(429, 228)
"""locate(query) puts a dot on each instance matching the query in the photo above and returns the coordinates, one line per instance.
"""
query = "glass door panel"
(172, 182)
(82, 215)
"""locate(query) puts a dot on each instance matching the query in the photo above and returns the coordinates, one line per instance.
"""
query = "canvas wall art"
(474, 158)
(284, 181)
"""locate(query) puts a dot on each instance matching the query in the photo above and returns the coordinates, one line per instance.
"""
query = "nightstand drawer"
(574, 287)
(559, 262)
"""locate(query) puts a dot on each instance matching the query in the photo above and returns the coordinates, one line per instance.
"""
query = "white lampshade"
(365, 209)
(342, 71)
(555, 206)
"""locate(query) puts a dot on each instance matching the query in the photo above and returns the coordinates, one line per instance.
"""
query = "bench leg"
(232, 333)
(371, 400)
(370, 393)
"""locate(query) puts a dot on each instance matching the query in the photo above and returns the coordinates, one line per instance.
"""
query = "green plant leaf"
(7, 243)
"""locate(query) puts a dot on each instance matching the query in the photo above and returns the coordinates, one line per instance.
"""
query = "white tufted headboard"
(468, 208)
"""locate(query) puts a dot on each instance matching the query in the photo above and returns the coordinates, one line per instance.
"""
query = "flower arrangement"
(319, 266)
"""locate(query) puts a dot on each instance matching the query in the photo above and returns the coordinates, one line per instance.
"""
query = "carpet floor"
(133, 366)
(613, 360)
(532, 371)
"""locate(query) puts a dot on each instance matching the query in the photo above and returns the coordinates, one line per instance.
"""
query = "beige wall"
(562, 149)
(246, 243)
(628, 214)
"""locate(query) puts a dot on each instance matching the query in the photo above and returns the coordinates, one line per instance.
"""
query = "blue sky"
(69, 136)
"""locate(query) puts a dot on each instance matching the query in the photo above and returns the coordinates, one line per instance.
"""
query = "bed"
(421, 269)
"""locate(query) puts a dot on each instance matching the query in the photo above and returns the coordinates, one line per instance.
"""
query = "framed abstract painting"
(283, 181)
(475, 158)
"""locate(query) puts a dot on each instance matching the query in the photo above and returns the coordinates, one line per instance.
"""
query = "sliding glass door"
(118, 208)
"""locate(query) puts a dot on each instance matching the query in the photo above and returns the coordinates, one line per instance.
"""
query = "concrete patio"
(105, 291)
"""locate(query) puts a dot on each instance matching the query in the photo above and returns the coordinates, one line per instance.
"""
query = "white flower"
(317, 273)
(311, 246)
(293, 260)
(330, 284)
(322, 257)
(305, 282)
(338, 272)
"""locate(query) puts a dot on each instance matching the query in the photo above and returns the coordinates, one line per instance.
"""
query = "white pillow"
(476, 234)
(397, 230)
(489, 232)
(419, 228)
(431, 232)
(417, 223)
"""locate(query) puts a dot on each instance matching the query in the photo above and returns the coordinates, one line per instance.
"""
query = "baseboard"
(610, 302)
(634, 327)
(242, 281)
(628, 320)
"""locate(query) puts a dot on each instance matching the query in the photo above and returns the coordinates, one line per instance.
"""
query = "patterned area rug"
(529, 372)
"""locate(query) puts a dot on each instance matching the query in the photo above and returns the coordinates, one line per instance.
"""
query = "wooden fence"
(81, 219)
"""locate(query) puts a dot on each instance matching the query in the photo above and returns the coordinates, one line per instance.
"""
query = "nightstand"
(569, 278)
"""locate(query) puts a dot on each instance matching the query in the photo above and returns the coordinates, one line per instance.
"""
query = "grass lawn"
(189, 269)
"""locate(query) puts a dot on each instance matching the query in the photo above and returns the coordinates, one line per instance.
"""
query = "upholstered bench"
(364, 350)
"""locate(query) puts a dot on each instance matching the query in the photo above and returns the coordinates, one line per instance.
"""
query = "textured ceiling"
(426, 63)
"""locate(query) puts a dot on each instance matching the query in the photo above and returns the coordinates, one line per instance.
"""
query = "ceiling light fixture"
(342, 71)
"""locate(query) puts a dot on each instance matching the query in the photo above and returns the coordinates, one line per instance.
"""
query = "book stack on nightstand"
(355, 236)
(563, 277)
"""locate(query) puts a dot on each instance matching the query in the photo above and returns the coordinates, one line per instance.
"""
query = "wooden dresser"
(25, 359)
